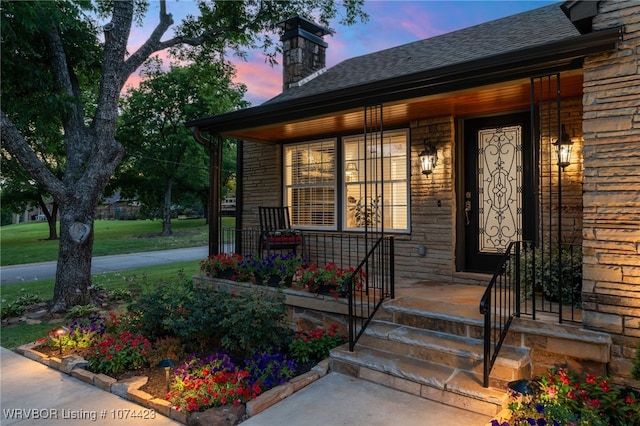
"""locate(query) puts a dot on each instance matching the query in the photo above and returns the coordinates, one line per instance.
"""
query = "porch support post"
(560, 271)
(215, 166)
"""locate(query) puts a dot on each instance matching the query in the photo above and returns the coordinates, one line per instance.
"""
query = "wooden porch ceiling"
(507, 96)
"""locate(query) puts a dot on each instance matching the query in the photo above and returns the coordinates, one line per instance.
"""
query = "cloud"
(263, 81)
(391, 24)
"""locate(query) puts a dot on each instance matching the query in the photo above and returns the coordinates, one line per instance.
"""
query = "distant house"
(453, 143)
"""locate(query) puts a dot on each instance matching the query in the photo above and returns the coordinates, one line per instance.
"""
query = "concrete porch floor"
(464, 300)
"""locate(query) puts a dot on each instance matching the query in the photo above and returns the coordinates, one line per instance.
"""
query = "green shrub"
(205, 319)
(18, 306)
(562, 397)
(315, 345)
(547, 273)
(117, 353)
(157, 307)
(120, 294)
(11, 309)
(81, 311)
(254, 321)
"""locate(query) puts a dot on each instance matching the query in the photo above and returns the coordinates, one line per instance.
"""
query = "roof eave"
(517, 64)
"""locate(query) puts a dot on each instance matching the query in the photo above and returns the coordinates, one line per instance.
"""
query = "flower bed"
(134, 386)
(329, 279)
(116, 349)
(562, 397)
(280, 270)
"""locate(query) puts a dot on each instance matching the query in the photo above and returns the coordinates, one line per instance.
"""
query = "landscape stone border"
(129, 389)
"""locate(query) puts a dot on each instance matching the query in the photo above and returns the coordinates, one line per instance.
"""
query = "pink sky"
(391, 23)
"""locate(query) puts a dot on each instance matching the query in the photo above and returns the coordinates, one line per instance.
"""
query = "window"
(310, 184)
(383, 167)
(375, 187)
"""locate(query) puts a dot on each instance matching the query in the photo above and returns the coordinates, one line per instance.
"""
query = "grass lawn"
(26, 243)
(13, 336)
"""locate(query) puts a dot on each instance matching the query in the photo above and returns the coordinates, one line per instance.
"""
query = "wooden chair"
(275, 230)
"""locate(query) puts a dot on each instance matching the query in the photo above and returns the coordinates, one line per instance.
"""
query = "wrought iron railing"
(372, 259)
(369, 285)
(499, 305)
(530, 281)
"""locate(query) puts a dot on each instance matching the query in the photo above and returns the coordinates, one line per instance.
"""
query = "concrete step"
(442, 383)
(450, 318)
(464, 353)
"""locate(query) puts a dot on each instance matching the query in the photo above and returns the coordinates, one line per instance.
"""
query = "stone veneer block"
(73, 361)
(579, 350)
(267, 399)
(121, 388)
(104, 382)
(459, 401)
(303, 380)
(53, 362)
(345, 368)
(600, 321)
(218, 416)
(178, 416)
(139, 397)
(29, 352)
(390, 381)
(322, 368)
(160, 405)
(84, 375)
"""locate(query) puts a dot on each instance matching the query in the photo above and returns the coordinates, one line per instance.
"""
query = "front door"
(498, 198)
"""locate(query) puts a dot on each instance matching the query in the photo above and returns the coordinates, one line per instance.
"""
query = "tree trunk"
(166, 217)
(73, 275)
(52, 219)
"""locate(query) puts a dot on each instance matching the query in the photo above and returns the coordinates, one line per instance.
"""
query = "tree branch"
(63, 78)
(151, 45)
(20, 149)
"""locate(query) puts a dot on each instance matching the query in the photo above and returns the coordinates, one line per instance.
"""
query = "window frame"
(339, 186)
(287, 186)
(344, 205)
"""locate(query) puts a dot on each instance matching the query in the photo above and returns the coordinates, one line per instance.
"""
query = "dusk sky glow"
(391, 23)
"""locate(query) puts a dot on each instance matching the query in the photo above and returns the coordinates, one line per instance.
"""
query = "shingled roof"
(513, 47)
(527, 29)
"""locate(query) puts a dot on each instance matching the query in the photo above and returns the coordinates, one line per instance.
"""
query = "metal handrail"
(500, 303)
(379, 283)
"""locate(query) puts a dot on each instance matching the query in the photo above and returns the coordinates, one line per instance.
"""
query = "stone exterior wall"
(432, 216)
(611, 248)
(301, 57)
(572, 175)
(262, 180)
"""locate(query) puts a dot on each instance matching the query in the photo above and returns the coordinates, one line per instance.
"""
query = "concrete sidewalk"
(338, 399)
(33, 394)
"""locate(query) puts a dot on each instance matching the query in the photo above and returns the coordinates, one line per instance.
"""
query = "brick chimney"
(303, 50)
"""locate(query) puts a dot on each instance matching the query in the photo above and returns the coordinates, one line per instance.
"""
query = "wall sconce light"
(428, 158)
(563, 146)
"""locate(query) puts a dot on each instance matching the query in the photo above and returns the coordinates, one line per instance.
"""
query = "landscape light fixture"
(59, 332)
(521, 387)
(166, 363)
(428, 158)
(563, 146)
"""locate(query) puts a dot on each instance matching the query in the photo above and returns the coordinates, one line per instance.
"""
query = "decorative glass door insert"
(499, 187)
